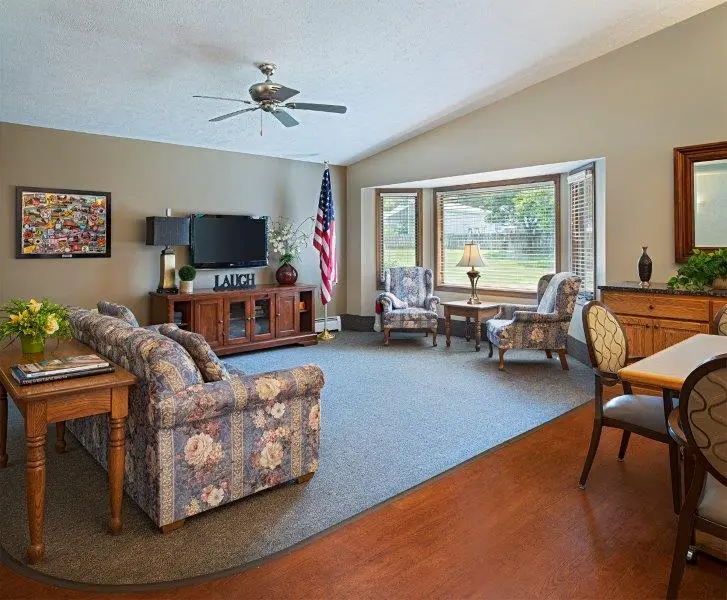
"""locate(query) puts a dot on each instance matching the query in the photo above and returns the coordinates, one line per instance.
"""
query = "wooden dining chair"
(703, 420)
(633, 413)
(719, 325)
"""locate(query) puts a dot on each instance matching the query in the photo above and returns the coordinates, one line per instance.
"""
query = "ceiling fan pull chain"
(261, 123)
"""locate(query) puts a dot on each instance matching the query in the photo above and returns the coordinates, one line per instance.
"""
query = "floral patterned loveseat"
(191, 444)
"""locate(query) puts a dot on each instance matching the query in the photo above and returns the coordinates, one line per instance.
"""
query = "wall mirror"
(700, 198)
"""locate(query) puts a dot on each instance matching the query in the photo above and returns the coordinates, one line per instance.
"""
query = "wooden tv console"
(240, 320)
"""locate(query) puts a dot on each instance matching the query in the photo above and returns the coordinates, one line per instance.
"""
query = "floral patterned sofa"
(197, 439)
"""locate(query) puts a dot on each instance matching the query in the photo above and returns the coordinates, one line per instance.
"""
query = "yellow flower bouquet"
(33, 322)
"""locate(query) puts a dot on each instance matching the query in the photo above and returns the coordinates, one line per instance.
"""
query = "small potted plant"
(186, 279)
(33, 322)
(288, 240)
(702, 271)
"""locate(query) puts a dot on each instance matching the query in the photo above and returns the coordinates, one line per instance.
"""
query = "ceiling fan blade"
(221, 98)
(233, 114)
(285, 118)
(331, 108)
(284, 93)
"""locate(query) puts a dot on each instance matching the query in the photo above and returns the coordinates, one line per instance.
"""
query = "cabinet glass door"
(263, 317)
(237, 321)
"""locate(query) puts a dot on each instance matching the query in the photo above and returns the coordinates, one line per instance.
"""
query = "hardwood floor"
(510, 524)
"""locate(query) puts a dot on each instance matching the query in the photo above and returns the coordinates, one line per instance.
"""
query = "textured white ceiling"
(130, 68)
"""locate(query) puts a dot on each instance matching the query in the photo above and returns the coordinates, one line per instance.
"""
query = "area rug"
(391, 418)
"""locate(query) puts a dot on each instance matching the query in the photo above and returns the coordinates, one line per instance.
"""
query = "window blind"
(398, 230)
(515, 226)
(582, 230)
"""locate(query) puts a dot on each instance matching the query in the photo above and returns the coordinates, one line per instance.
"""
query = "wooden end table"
(55, 402)
(472, 313)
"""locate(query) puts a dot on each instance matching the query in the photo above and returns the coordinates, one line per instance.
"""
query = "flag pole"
(325, 335)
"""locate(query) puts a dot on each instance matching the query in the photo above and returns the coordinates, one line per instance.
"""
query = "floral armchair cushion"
(408, 300)
(211, 367)
(112, 309)
(544, 326)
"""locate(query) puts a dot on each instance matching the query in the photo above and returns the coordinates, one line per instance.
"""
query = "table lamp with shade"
(167, 231)
(471, 258)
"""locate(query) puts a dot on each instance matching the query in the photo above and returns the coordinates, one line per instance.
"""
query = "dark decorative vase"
(645, 267)
(286, 274)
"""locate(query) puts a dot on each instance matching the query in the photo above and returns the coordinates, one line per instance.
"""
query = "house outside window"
(516, 225)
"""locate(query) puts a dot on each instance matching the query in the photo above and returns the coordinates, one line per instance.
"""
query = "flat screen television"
(221, 241)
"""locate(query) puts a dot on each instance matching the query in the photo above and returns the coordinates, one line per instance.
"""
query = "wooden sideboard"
(655, 318)
(240, 320)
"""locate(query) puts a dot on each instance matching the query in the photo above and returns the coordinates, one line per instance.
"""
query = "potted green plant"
(702, 271)
(288, 240)
(33, 322)
(186, 279)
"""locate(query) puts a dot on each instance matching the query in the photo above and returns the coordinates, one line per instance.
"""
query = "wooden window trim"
(418, 223)
(439, 286)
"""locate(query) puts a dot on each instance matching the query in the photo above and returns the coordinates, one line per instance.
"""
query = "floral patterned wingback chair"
(408, 301)
(537, 327)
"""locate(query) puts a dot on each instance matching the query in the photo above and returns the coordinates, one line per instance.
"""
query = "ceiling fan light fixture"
(271, 97)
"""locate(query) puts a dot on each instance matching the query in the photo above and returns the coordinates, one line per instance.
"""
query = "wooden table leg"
(3, 427)
(117, 456)
(61, 436)
(35, 434)
(467, 329)
(447, 327)
(478, 333)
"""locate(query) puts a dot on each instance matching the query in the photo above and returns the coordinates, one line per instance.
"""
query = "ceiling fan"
(272, 98)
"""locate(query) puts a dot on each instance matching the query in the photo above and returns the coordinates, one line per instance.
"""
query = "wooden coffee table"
(471, 312)
(55, 402)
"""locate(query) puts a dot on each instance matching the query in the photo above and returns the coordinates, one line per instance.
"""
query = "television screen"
(219, 241)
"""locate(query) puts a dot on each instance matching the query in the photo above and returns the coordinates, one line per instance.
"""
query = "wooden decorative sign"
(234, 281)
(55, 223)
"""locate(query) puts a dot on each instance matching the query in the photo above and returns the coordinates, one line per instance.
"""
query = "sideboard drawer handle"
(651, 307)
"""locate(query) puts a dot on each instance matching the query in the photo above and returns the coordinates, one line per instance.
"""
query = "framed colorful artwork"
(62, 223)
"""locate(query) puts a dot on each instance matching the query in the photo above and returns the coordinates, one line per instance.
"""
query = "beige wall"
(144, 178)
(631, 107)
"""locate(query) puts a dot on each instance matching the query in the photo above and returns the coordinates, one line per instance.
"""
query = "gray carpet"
(391, 418)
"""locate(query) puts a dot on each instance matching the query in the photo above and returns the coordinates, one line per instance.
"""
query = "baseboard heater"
(334, 324)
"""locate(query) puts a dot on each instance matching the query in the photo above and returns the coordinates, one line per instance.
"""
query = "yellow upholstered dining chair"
(703, 421)
(719, 326)
(633, 413)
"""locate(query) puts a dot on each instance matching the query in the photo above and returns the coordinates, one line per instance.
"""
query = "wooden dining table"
(668, 369)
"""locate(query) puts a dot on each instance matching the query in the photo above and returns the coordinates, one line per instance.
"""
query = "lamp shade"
(471, 256)
(167, 231)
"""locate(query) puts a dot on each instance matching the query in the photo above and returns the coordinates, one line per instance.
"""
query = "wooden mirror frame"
(684, 159)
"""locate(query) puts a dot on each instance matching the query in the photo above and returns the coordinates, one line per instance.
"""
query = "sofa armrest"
(390, 302)
(526, 316)
(431, 302)
(208, 400)
(507, 311)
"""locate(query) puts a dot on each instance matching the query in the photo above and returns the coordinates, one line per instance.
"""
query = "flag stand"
(325, 335)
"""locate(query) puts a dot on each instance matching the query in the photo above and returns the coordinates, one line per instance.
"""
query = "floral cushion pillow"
(211, 367)
(112, 309)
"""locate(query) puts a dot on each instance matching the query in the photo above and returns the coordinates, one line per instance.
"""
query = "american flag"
(324, 239)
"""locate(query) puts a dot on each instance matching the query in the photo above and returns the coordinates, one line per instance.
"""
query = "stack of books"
(61, 368)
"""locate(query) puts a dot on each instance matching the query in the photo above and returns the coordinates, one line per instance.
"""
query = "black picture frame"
(62, 223)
